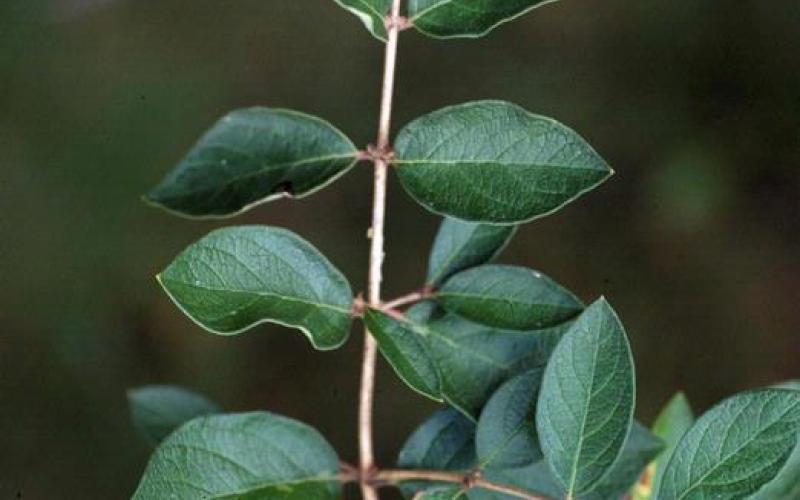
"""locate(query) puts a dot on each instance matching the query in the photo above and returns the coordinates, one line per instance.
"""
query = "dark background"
(695, 240)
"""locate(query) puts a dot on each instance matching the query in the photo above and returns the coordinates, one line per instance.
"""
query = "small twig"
(468, 481)
(410, 298)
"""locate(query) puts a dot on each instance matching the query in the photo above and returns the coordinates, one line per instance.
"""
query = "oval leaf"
(457, 18)
(474, 360)
(157, 410)
(372, 13)
(460, 245)
(508, 297)
(405, 348)
(491, 161)
(735, 448)
(585, 407)
(248, 455)
(506, 435)
(238, 277)
(253, 156)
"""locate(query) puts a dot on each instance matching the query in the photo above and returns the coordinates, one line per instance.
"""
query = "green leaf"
(445, 441)
(786, 485)
(253, 156)
(789, 384)
(640, 448)
(491, 161)
(508, 297)
(247, 455)
(585, 406)
(506, 435)
(238, 277)
(735, 448)
(671, 424)
(460, 245)
(372, 13)
(406, 350)
(443, 493)
(474, 360)
(465, 19)
(157, 410)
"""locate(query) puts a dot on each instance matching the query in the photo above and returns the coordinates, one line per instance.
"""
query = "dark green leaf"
(445, 441)
(238, 277)
(585, 406)
(508, 297)
(640, 448)
(372, 12)
(253, 156)
(735, 448)
(506, 435)
(469, 19)
(460, 245)
(242, 456)
(403, 344)
(474, 360)
(157, 410)
(443, 493)
(671, 424)
(494, 162)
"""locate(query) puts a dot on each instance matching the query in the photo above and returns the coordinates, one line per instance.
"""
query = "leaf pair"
(443, 18)
(485, 161)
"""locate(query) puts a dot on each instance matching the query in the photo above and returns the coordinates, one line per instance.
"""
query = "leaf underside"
(371, 12)
(252, 156)
(238, 277)
(242, 456)
(493, 162)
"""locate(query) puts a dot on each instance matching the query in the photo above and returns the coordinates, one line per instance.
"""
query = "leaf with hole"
(508, 297)
(247, 455)
(460, 245)
(157, 410)
(494, 162)
(506, 435)
(372, 13)
(467, 19)
(586, 402)
(735, 448)
(238, 277)
(252, 156)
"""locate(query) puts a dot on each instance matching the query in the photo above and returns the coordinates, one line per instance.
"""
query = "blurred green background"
(695, 241)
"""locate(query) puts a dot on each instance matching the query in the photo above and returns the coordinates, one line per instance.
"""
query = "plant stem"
(407, 299)
(468, 481)
(367, 457)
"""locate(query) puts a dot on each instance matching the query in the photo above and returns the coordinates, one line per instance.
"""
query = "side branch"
(468, 481)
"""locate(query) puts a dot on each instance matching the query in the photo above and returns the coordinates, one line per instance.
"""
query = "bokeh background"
(695, 241)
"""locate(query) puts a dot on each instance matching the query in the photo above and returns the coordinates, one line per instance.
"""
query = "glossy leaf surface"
(585, 406)
(238, 277)
(466, 18)
(506, 435)
(371, 12)
(157, 410)
(248, 455)
(508, 297)
(735, 448)
(253, 156)
(494, 162)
